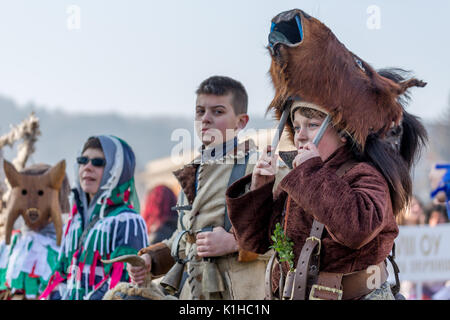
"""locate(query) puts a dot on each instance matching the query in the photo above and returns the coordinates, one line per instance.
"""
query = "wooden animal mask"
(310, 63)
(35, 197)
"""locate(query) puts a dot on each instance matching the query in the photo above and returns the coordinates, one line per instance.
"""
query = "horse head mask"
(309, 63)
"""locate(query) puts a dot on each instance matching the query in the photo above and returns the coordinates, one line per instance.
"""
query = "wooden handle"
(135, 261)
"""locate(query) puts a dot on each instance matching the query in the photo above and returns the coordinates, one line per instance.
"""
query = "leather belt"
(337, 286)
(358, 284)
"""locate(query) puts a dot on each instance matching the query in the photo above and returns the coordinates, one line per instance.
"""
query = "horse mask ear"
(13, 176)
(57, 174)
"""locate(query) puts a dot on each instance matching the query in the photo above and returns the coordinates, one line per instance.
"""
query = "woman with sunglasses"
(104, 223)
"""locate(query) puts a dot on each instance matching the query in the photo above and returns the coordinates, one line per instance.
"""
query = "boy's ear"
(242, 121)
(342, 136)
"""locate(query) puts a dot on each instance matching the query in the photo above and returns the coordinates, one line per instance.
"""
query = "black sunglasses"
(96, 162)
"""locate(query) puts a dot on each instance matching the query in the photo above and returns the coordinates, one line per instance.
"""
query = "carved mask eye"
(24, 192)
(40, 193)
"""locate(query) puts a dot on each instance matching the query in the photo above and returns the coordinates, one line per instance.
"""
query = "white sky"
(145, 57)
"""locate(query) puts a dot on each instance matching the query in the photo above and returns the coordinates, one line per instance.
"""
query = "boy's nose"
(302, 134)
(300, 138)
(206, 117)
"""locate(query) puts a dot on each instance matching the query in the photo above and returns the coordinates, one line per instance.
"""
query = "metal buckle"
(318, 240)
(319, 287)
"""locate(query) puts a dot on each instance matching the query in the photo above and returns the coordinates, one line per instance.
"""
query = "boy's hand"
(138, 274)
(306, 152)
(215, 243)
(265, 169)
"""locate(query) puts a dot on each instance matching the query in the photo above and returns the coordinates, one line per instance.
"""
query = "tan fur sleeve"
(244, 255)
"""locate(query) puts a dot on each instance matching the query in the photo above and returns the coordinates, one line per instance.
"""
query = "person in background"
(439, 179)
(436, 214)
(413, 215)
(161, 220)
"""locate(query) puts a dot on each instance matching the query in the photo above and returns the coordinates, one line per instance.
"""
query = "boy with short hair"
(215, 265)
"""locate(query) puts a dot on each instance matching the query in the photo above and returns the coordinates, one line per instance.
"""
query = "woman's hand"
(138, 274)
(215, 243)
(305, 153)
(265, 169)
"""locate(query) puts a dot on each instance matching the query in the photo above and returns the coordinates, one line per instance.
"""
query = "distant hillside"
(63, 134)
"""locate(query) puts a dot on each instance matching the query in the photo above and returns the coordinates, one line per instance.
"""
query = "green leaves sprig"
(283, 245)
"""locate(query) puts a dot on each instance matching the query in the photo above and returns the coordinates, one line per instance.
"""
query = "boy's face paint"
(215, 119)
(305, 130)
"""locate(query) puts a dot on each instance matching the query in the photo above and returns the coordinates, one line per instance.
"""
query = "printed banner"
(423, 253)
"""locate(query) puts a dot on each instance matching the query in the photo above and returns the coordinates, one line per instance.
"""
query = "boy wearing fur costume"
(203, 244)
(339, 202)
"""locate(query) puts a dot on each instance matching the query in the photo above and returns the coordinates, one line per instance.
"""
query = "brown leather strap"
(311, 247)
(394, 288)
(281, 282)
(288, 284)
(268, 278)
